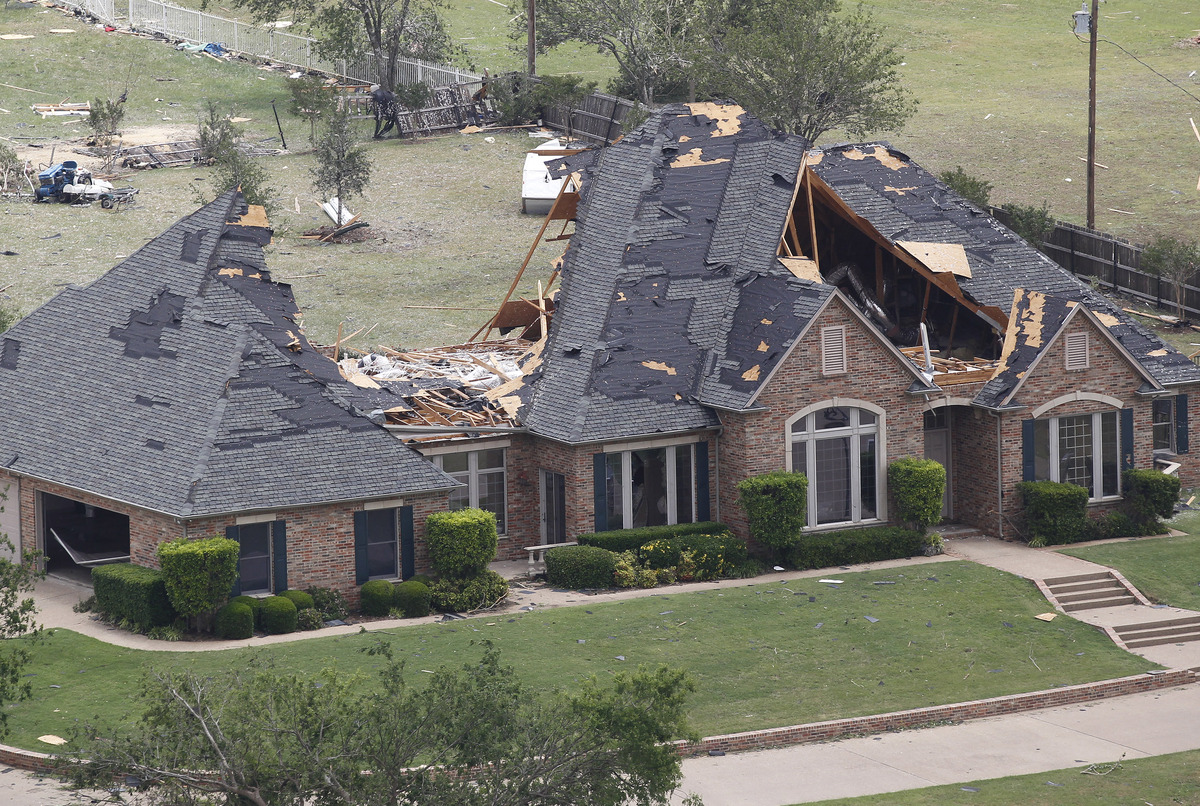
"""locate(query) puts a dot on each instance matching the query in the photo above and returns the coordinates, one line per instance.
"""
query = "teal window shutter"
(1126, 439)
(1181, 423)
(279, 558)
(702, 503)
(361, 571)
(231, 532)
(599, 490)
(1028, 454)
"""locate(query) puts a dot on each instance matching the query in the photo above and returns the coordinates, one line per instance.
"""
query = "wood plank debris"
(950, 370)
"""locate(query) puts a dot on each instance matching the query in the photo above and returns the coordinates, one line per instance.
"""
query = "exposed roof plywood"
(940, 257)
(802, 267)
(724, 115)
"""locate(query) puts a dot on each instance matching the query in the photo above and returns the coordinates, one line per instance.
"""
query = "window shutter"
(231, 532)
(599, 493)
(702, 503)
(1126, 439)
(1181, 423)
(361, 571)
(408, 559)
(833, 350)
(279, 558)
(1077, 350)
(1028, 454)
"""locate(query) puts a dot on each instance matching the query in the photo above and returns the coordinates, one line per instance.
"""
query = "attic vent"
(1077, 350)
(833, 350)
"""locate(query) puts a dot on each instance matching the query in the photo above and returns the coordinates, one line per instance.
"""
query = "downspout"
(999, 478)
(717, 462)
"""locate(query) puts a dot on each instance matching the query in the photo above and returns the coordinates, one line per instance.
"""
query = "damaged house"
(731, 301)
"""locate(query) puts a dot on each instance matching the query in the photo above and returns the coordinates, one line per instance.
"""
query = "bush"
(198, 573)
(1031, 222)
(647, 578)
(855, 546)
(132, 593)
(235, 621)
(255, 605)
(464, 595)
(580, 567)
(1055, 512)
(619, 540)
(626, 571)
(917, 487)
(775, 505)
(411, 598)
(461, 543)
(278, 615)
(1150, 495)
(711, 555)
(309, 619)
(376, 597)
(662, 553)
(972, 188)
(302, 600)
(329, 603)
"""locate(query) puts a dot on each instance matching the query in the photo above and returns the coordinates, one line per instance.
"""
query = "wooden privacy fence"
(597, 120)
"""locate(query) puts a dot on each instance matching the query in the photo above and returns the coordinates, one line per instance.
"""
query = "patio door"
(554, 512)
(937, 448)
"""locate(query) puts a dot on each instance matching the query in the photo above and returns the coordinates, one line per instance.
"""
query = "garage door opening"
(79, 536)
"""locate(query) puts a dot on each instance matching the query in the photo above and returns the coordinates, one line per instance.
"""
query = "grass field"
(763, 656)
(1170, 779)
(1166, 569)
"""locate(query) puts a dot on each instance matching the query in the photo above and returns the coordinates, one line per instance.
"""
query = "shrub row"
(464, 595)
(1056, 513)
(133, 593)
(686, 557)
(578, 567)
(851, 547)
(707, 556)
(411, 598)
(633, 539)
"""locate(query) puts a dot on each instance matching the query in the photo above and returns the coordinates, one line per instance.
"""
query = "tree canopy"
(471, 736)
(806, 67)
(18, 575)
(342, 164)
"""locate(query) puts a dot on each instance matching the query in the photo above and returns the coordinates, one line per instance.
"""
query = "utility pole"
(1093, 24)
(531, 48)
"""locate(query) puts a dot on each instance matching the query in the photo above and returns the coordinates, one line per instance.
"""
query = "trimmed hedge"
(235, 621)
(278, 615)
(619, 540)
(1055, 512)
(854, 546)
(198, 573)
(1150, 494)
(710, 556)
(302, 600)
(412, 598)
(578, 567)
(376, 597)
(255, 605)
(776, 507)
(461, 543)
(462, 595)
(917, 487)
(132, 593)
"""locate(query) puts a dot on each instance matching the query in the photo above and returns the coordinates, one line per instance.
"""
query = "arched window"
(839, 449)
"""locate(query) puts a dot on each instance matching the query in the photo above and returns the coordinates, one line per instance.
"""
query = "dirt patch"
(39, 154)
(353, 236)
(1189, 42)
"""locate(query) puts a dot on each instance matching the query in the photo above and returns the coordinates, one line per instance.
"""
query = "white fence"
(264, 42)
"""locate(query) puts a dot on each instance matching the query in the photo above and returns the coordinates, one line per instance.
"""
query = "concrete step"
(1178, 635)
(1109, 592)
(1151, 625)
(1095, 604)
(1108, 583)
(1075, 578)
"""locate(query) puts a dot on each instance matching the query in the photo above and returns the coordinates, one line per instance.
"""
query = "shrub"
(461, 543)
(626, 571)
(411, 598)
(1055, 512)
(198, 573)
(775, 505)
(855, 546)
(647, 578)
(464, 595)
(127, 592)
(302, 600)
(580, 567)
(1150, 495)
(619, 540)
(278, 615)
(917, 486)
(376, 597)
(662, 553)
(747, 569)
(972, 188)
(309, 619)
(1031, 222)
(235, 621)
(329, 603)
(1174, 259)
(711, 555)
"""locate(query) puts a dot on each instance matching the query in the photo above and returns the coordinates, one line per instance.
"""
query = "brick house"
(732, 302)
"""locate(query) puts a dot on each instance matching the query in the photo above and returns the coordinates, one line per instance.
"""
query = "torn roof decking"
(676, 242)
(199, 394)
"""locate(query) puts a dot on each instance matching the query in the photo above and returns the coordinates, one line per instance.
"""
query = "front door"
(554, 512)
(937, 448)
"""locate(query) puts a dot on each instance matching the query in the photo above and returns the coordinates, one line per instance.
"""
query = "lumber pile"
(953, 370)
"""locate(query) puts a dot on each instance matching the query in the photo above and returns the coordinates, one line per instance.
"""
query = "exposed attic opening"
(898, 284)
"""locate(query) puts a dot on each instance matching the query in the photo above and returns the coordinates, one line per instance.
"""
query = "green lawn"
(1170, 779)
(763, 656)
(1165, 569)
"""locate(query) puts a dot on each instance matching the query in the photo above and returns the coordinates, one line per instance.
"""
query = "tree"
(1175, 259)
(10, 165)
(219, 142)
(342, 165)
(1032, 222)
(974, 189)
(647, 38)
(17, 620)
(565, 94)
(805, 67)
(472, 736)
(312, 100)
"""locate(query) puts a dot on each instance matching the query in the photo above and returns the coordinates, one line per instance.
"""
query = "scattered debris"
(831, 581)
(63, 109)
(50, 738)
(1046, 616)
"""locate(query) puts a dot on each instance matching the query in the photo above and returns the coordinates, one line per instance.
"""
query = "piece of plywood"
(693, 158)
(939, 257)
(802, 267)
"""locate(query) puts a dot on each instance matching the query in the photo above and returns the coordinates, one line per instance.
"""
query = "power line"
(1148, 67)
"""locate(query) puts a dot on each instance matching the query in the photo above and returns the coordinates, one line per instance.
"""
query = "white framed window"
(833, 350)
(651, 486)
(483, 473)
(1076, 346)
(839, 448)
(1080, 449)
(1163, 418)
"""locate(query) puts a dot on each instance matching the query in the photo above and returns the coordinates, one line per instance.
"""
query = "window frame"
(670, 471)
(1047, 430)
(1170, 425)
(395, 541)
(812, 435)
(473, 477)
